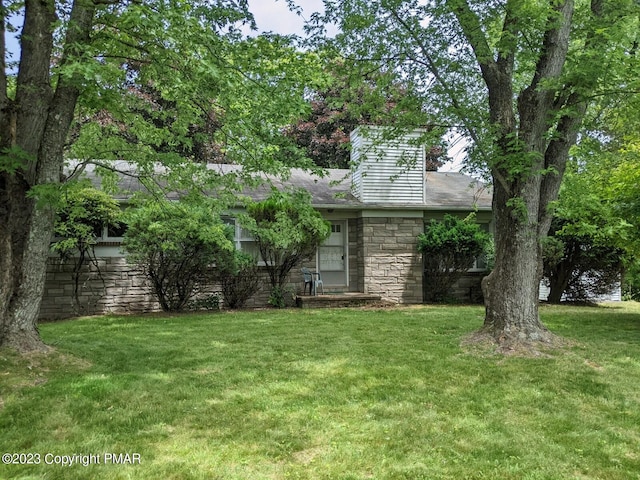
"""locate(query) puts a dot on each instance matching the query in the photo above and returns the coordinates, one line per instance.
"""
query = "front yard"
(323, 394)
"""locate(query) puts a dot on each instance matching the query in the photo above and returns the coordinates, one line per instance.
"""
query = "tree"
(35, 118)
(355, 96)
(81, 216)
(90, 60)
(176, 244)
(515, 78)
(597, 217)
(577, 268)
(287, 231)
(449, 249)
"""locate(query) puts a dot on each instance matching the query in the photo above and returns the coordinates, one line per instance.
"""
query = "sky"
(275, 16)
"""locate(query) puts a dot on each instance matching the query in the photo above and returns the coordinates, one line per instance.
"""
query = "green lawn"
(324, 394)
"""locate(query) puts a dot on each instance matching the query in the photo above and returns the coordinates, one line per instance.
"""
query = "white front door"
(332, 255)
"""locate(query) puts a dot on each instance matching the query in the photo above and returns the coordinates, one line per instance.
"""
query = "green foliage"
(239, 278)
(577, 267)
(449, 248)
(631, 282)
(208, 302)
(13, 159)
(597, 216)
(178, 81)
(518, 209)
(276, 298)
(287, 230)
(81, 215)
(176, 244)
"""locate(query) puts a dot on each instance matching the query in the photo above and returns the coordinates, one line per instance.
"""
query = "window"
(243, 239)
(481, 264)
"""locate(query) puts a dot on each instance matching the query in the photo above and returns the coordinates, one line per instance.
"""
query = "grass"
(325, 394)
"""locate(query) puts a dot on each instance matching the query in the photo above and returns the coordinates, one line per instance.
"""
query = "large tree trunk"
(29, 232)
(34, 130)
(530, 154)
(512, 288)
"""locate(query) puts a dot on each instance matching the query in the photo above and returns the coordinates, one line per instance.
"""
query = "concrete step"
(333, 300)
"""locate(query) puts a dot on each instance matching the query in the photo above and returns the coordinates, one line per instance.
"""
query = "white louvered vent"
(387, 171)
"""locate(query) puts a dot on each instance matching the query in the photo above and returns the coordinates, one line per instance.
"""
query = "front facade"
(376, 211)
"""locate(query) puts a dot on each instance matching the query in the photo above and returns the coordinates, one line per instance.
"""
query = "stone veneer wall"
(120, 288)
(390, 261)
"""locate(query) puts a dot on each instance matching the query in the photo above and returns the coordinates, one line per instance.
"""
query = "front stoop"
(350, 299)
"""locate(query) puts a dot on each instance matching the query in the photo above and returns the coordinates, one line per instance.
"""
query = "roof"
(452, 190)
(444, 190)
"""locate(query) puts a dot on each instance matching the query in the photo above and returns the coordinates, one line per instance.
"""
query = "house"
(376, 212)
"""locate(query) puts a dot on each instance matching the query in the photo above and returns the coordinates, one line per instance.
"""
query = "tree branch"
(566, 132)
(508, 39)
(555, 45)
(435, 71)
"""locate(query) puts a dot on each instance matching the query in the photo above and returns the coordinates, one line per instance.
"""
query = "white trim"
(391, 213)
(344, 223)
(346, 252)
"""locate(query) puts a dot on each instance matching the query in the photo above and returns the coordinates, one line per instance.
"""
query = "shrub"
(576, 267)
(209, 302)
(287, 230)
(449, 248)
(81, 215)
(176, 244)
(239, 278)
(631, 284)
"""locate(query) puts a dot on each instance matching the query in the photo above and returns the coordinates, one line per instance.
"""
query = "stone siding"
(118, 288)
(390, 261)
(113, 286)
(354, 255)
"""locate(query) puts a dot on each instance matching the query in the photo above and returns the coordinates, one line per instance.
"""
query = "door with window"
(332, 255)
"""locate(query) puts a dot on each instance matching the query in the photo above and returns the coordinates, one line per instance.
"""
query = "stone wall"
(111, 286)
(115, 286)
(390, 261)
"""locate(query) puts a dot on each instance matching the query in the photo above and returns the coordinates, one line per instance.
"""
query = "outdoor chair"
(313, 279)
(307, 278)
(317, 282)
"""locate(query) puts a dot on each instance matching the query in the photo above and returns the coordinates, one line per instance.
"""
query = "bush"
(239, 278)
(209, 302)
(449, 249)
(287, 230)
(81, 215)
(281, 297)
(176, 244)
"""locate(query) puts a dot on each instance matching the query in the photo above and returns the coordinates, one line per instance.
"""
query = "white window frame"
(242, 237)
